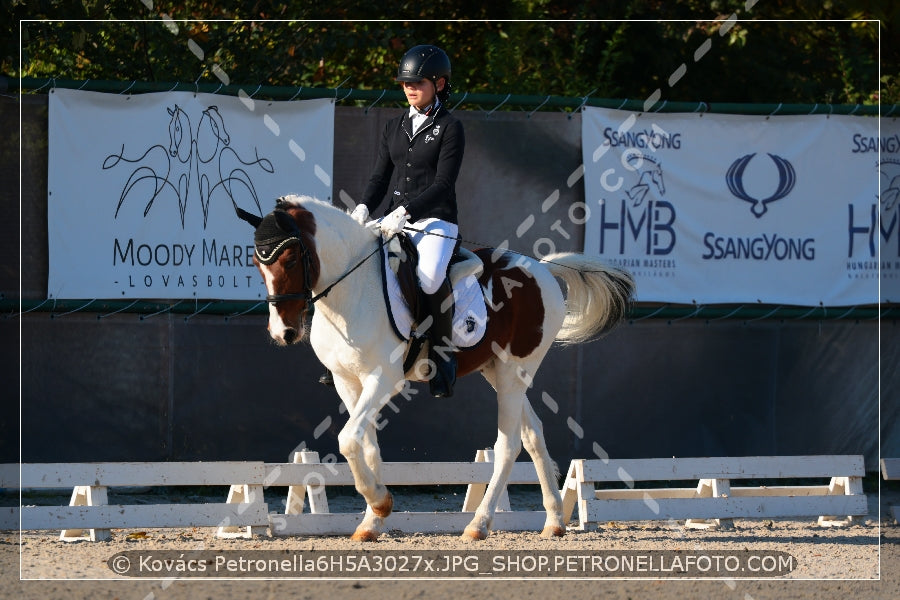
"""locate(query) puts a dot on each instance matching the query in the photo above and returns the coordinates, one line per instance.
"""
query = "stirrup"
(441, 382)
(326, 378)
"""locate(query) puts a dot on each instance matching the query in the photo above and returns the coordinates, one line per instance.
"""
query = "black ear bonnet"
(275, 232)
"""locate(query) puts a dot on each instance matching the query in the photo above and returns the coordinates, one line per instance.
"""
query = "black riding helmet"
(426, 62)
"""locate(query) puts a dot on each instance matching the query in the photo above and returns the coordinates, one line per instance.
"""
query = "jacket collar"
(406, 123)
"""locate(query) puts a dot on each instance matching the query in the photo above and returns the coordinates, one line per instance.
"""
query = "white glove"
(394, 222)
(360, 214)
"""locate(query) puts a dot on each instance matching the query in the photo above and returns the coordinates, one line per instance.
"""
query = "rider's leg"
(441, 352)
(435, 243)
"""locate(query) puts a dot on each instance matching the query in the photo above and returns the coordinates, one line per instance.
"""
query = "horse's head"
(285, 254)
(179, 133)
(216, 124)
(647, 166)
(657, 177)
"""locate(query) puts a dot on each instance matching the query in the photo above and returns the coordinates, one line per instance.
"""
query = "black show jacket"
(418, 171)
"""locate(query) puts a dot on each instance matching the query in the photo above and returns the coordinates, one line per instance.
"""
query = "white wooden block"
(128, 516)
(296, 496)
(747, 467)
(398, 473)
(475, 491)
(641, 493)
(842, 486)
(70, 475)
(890, 469)
(569, 492)
(315, 488)
(403, 522)
(712, 488)
(87, 496)
(720, 508)
(243, 496)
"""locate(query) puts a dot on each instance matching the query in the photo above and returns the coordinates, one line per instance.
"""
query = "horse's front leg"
(359, 445)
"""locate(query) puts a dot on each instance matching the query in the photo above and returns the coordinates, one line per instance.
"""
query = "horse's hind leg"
(510, 398)
(547, 471)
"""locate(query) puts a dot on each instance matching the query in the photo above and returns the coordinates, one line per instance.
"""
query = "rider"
(419, 158)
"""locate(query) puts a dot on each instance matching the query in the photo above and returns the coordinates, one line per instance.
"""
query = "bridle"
(306, 294)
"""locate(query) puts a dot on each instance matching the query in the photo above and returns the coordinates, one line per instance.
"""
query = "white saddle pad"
(469, 313)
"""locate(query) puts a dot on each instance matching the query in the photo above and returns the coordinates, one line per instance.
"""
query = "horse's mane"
(328, 215)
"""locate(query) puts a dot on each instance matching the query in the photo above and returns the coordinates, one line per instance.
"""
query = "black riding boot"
(441, 351)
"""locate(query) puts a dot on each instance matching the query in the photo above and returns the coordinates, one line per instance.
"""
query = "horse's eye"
(290, 263)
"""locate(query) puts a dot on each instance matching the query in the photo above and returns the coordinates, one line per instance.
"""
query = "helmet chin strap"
(431, 108)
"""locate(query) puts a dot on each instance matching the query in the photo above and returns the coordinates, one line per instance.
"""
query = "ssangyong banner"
(142, 189)
(712, 208)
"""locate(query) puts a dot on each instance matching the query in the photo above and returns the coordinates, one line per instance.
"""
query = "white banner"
(142, 189)
(712, 208)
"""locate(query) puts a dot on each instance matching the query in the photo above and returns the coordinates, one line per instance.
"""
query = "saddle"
(470, 314)
(403, 259)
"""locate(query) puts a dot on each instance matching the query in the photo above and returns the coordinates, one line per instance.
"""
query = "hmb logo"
(865, 224)
(642, 216)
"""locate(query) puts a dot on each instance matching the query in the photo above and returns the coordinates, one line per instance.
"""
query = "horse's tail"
(597, 299)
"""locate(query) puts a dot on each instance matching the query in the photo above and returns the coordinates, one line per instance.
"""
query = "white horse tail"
(597, 299)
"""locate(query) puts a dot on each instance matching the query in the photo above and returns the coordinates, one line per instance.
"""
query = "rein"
(307, 294)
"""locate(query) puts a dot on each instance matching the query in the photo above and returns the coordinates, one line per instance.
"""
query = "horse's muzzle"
(290, 336)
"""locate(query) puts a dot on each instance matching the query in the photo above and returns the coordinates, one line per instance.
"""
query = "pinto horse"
(310, 251)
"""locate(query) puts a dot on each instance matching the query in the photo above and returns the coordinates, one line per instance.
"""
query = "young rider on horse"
(419, 158)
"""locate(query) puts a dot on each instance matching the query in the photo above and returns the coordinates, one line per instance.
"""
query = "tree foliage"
(824, 52)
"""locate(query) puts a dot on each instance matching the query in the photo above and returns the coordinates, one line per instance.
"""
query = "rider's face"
(420, 94)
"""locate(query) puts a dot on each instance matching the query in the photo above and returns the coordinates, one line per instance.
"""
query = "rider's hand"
(360, 214)
(394, 222)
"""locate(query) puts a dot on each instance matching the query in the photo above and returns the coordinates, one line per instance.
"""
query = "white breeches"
(435, 251)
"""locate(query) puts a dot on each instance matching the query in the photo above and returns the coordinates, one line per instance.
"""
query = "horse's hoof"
(384, 509)
(364, 536)
(553, 531)
(473, 533)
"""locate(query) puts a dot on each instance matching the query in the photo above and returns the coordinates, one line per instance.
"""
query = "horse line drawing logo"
(653, 173)
(197, 163)
(889, 175)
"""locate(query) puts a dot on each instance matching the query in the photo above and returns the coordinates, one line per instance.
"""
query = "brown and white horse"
(305, 247)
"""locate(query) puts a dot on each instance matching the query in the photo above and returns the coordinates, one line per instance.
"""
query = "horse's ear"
(249, 217)
(285, 221)
(170, 111)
